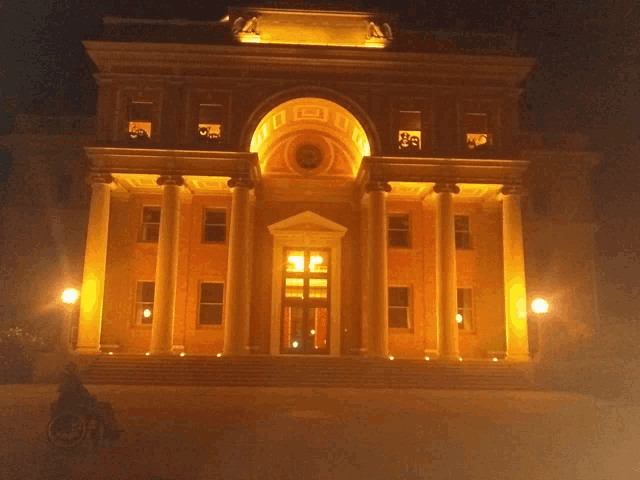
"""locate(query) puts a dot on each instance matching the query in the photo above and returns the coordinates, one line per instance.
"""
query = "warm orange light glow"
(540, 305)
(295, 344)
(427, 358)
(458, 318)
(146, 313)
(391, 357)
(70, 296)
(256, 39)
(298, 261)
(477, 139)
(317, 121)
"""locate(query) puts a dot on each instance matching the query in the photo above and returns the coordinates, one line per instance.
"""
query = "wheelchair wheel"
(66, 430)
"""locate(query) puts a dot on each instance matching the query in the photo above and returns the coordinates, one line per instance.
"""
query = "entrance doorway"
(305, 327)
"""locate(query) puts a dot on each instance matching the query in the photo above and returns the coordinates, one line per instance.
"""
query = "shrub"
(17, 353)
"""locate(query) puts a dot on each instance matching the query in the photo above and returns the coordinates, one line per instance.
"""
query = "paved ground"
(262, 433)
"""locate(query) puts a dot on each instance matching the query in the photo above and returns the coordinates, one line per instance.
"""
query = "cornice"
(508, 70)
(115, 160)
(441, 170)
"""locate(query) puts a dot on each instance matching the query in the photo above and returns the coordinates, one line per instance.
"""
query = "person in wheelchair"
(75, 398)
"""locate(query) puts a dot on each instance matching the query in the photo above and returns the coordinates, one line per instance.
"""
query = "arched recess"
(322, 115)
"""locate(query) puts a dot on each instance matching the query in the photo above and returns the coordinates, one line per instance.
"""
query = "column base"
(166, 353)
(450, 357)
(518, 358)
(87, 351)
(236, 353)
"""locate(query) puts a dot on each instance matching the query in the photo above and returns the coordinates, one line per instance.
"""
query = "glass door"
(305, 304)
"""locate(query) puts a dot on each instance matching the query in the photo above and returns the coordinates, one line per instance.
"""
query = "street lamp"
(539, 307)
(69, 298)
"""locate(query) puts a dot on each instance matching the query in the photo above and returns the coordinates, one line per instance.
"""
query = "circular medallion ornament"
(308, 156)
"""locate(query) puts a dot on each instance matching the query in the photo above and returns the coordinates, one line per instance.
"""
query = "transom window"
(464, 317)
(144, 302)
(150, 224)
(399, 307)
(210, 117)
(409, 128)
(139, 126)
(211, 300)
(463, 232)
(476, 130)
(399, 230)
(214, 229)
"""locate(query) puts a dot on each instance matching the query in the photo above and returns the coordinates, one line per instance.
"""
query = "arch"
(340, 100)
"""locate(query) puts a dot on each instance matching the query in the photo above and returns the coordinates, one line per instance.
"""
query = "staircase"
(321, 372)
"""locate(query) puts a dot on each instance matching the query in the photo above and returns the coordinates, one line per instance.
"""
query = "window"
(399, 231)
(399, 307)
(150, 224)
(464, 316)
(144, 303)
(476, 130)
(214, 229)
(463, 232)
(139, 127)
(211, 296)
(409, 127)
(210, 116)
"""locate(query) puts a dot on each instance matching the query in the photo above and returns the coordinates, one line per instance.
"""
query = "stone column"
(236, 303)
(95, 262)
(164, 300)
(515, 293)
(446, 283)
(378, 286)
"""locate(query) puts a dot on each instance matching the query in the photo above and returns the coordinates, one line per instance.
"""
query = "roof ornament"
(244, 27)
(374, 31)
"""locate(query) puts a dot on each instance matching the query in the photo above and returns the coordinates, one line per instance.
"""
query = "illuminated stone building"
(292, 182)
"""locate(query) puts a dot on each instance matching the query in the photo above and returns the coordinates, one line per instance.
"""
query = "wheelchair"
(68, 429)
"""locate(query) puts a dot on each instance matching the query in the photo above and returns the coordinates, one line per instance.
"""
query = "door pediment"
(307, 222)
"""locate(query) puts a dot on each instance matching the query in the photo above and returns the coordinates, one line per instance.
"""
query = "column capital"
(446, 188)
(100, 178)
(377, 186)
(242, 182)
(511, 190)
(176, 180)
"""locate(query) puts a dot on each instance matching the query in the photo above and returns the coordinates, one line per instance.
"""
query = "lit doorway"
(305, 327)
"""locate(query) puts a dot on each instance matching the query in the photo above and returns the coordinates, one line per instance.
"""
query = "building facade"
(292, 182)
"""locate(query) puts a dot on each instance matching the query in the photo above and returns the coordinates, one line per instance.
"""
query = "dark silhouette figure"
(74, 397)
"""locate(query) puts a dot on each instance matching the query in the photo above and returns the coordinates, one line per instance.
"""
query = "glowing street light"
(540, 305)
(70, 296)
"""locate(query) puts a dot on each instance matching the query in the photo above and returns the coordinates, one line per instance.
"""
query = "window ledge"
(208, 327)
(401, 331)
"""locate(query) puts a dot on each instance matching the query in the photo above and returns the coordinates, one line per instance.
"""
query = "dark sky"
(587, 79)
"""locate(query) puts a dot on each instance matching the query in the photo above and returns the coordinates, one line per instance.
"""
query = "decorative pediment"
(307, 222)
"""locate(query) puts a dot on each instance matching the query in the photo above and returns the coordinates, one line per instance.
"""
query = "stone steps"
(264, 371)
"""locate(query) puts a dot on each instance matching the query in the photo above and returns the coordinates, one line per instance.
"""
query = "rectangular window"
(211, 296)
(210, 117)
(476, 129)
(150, 224)
(464, 316)
(214, 228)
(409, 128)
(144, 303)
(399, 307)
(139, 126)
(399, 230)
(463, 232)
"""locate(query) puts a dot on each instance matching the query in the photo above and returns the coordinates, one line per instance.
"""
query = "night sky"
(587, 81)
